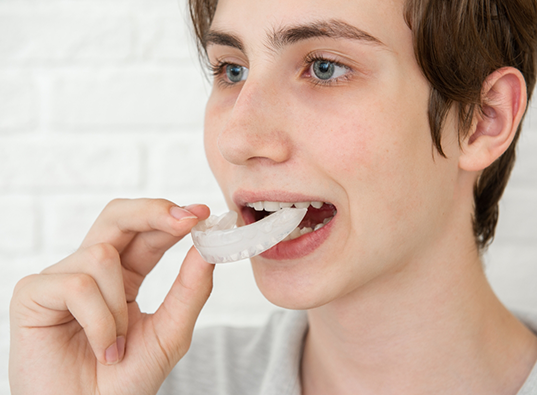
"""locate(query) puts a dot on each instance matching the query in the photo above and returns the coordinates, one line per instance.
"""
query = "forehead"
(257, 21)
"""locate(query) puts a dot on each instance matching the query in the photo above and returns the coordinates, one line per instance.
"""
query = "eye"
(325, 69)
(236, 73)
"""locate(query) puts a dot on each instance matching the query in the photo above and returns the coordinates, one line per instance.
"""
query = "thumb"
(174, 320)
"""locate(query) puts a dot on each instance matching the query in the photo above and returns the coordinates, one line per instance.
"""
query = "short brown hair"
(458, 44)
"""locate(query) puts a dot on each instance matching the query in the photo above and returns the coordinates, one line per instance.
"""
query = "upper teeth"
(275, 206)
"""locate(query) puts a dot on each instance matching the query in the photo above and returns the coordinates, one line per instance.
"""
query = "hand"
(76, 327)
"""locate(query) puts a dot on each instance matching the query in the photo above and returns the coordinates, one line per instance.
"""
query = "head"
(411, 137)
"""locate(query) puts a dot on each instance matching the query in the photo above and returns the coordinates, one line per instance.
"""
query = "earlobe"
(503, 106)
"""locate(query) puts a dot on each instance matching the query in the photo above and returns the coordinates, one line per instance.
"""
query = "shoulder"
(229, 360)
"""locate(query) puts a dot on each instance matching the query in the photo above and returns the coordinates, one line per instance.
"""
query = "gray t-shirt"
(260, 361)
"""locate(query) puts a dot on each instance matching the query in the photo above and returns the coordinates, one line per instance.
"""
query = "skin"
(396, 296)
(64, 319)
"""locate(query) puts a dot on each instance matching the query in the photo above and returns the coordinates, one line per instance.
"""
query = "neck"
(432, 327)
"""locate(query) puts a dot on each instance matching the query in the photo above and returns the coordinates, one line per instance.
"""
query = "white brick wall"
(101, 99)
(104, 98)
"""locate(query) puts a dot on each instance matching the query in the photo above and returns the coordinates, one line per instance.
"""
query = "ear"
(504, 99)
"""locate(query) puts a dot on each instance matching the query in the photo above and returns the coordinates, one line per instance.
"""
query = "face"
(323, 101)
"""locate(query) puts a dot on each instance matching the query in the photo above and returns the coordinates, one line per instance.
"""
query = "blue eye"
(325, 70)
(236, 73)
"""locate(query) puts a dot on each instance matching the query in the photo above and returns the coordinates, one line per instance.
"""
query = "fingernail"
(181, 213)
(191, 206)
(111, 354)
(121, 347)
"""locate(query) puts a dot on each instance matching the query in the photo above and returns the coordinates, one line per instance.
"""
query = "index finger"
(122, 219)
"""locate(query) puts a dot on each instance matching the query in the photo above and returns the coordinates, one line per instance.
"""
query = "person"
(397, 121)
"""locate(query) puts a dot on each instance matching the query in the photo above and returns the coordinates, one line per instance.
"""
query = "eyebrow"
(214, 37)
(279, 38)
(330, 29)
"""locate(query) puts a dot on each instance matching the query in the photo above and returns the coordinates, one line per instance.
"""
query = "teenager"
(399, 119)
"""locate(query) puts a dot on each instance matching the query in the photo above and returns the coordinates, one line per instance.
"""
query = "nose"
(256, 129)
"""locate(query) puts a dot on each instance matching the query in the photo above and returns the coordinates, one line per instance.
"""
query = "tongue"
(316, 216)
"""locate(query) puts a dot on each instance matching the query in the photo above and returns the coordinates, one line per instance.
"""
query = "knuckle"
(104, 254)
(152, 246)
(163, 204)
(158, 205)
(23, 283)
(81, 283)
(160, 201)
(112, 204)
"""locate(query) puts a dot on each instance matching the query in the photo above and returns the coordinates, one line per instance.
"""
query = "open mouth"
(319, 214)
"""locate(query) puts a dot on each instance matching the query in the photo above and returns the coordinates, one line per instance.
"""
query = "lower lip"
(299, 247)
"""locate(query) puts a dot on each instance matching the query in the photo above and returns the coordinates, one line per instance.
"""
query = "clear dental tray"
(218, 240)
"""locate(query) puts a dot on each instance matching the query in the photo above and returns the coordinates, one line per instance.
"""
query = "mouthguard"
(219, 241)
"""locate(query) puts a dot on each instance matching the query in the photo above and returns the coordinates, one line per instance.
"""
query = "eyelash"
(312, 58)
(218, 69)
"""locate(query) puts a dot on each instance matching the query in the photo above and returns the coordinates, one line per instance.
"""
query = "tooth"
(271, 206)
(305, 231)
(318, 226)
(327, 220)
(295, 233)
(258, 206)
(317, 204)
(250, 205)
(302, 204)
(286, 205)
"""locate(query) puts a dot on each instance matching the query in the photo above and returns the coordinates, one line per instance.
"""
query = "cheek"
(352, 144)
(380, 153)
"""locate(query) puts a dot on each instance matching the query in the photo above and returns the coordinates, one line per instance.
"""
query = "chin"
(286, 284)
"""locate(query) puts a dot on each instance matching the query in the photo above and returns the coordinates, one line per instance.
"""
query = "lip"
(299, 247)
(292, 249)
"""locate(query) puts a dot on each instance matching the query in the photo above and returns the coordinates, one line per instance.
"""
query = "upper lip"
(241, 197)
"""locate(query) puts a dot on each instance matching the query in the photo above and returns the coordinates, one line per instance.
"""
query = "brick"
(512, 272)
(530, 121)
(165, 39)
(518, 216)
(154, 8)
(61, 37)
(79, 164)
(235, 299)
(157, 284)
(4, 350)
(523, 175)
(15, 267)
(67, 220)
(18, 224)
(128, 98)
(179, 164)
(18, 100)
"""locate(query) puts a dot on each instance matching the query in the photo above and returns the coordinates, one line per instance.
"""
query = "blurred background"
(104, 98)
